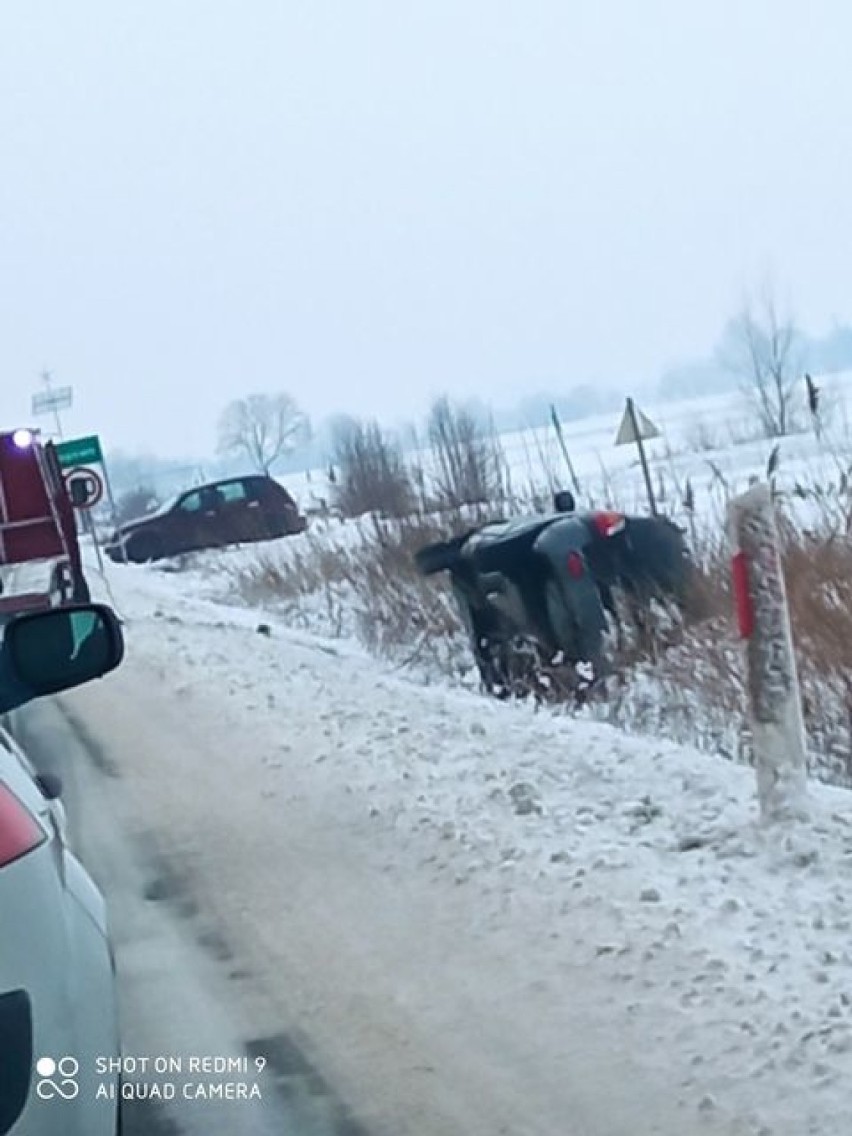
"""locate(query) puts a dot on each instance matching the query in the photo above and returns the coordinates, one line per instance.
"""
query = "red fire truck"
(37, 523)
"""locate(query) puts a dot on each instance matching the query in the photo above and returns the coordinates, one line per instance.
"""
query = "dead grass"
(693, 690)
(315, 569)
(819, 584)
(369, 587)
(684, 681)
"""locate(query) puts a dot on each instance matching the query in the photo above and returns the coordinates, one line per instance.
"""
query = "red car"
(233, 511)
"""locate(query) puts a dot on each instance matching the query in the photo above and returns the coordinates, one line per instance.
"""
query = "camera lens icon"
(58, 1078)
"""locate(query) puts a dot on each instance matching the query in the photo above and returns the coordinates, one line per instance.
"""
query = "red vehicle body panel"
(37, 519)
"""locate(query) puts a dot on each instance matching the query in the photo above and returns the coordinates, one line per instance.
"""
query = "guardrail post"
(775, 705)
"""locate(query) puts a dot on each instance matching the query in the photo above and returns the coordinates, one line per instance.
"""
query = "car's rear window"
(268, 490)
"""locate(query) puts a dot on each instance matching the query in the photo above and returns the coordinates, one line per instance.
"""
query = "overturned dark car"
(550, 590)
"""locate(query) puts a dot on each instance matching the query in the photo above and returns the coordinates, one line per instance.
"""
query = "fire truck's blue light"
(23, 439)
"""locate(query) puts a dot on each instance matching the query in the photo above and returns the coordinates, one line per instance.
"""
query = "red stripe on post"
(742, 595)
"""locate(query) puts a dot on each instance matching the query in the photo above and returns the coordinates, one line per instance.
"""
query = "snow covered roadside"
(623, 905)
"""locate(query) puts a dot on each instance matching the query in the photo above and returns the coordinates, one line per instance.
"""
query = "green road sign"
(79, 451)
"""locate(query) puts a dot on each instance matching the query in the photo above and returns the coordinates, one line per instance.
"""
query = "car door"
(237, 521)
(260, 517)
(56, 954)
(192, 522)
(281, 516)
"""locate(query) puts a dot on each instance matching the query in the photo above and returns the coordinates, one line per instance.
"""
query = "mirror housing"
(44, 652)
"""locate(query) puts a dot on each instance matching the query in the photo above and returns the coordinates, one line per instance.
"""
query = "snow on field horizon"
(716, 947)
(702, 439)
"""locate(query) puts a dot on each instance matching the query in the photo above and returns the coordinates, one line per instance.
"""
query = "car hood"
(130, 527)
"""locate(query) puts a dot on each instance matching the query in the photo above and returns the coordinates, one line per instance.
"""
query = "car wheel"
(269, 528)
(279, 527)
(578, 645)
(145, 548)
(443, 556)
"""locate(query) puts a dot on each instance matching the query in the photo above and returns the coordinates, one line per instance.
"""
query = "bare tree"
(470, 462)
(371, 471)
(263, 428)
(762, 348)
(136, 503)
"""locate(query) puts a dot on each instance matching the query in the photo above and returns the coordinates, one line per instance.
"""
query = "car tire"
(443, 556)
(276, 528)
(572, 645)
(145, 548)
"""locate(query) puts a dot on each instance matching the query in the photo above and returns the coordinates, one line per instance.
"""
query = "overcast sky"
(366, 202)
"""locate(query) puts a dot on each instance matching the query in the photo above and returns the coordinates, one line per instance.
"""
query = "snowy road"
(378, 981)
(180, 992)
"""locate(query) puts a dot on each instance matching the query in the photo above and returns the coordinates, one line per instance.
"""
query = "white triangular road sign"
(628, 433)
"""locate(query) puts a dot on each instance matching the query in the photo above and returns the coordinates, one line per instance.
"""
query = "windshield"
(165, 507)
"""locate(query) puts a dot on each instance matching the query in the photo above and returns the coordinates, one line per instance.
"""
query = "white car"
(58, 1007)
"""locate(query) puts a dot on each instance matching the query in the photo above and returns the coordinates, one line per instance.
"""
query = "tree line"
(369, 470)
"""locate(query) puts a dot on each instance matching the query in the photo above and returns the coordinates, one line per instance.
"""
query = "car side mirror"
(44, 652)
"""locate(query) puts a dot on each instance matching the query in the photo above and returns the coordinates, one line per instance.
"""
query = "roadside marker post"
(775, 704)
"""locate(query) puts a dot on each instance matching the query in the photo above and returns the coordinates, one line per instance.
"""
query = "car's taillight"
(608, 523)
(575, 565)
(20, 832)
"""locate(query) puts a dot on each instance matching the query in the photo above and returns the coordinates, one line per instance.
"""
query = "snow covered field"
(703, 440)
(661, 961)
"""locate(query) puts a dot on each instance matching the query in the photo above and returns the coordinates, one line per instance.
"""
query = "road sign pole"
(631, 410)
(89, 524)
(91, 494)
(109, 493)
(113, 508)
(557, 426)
